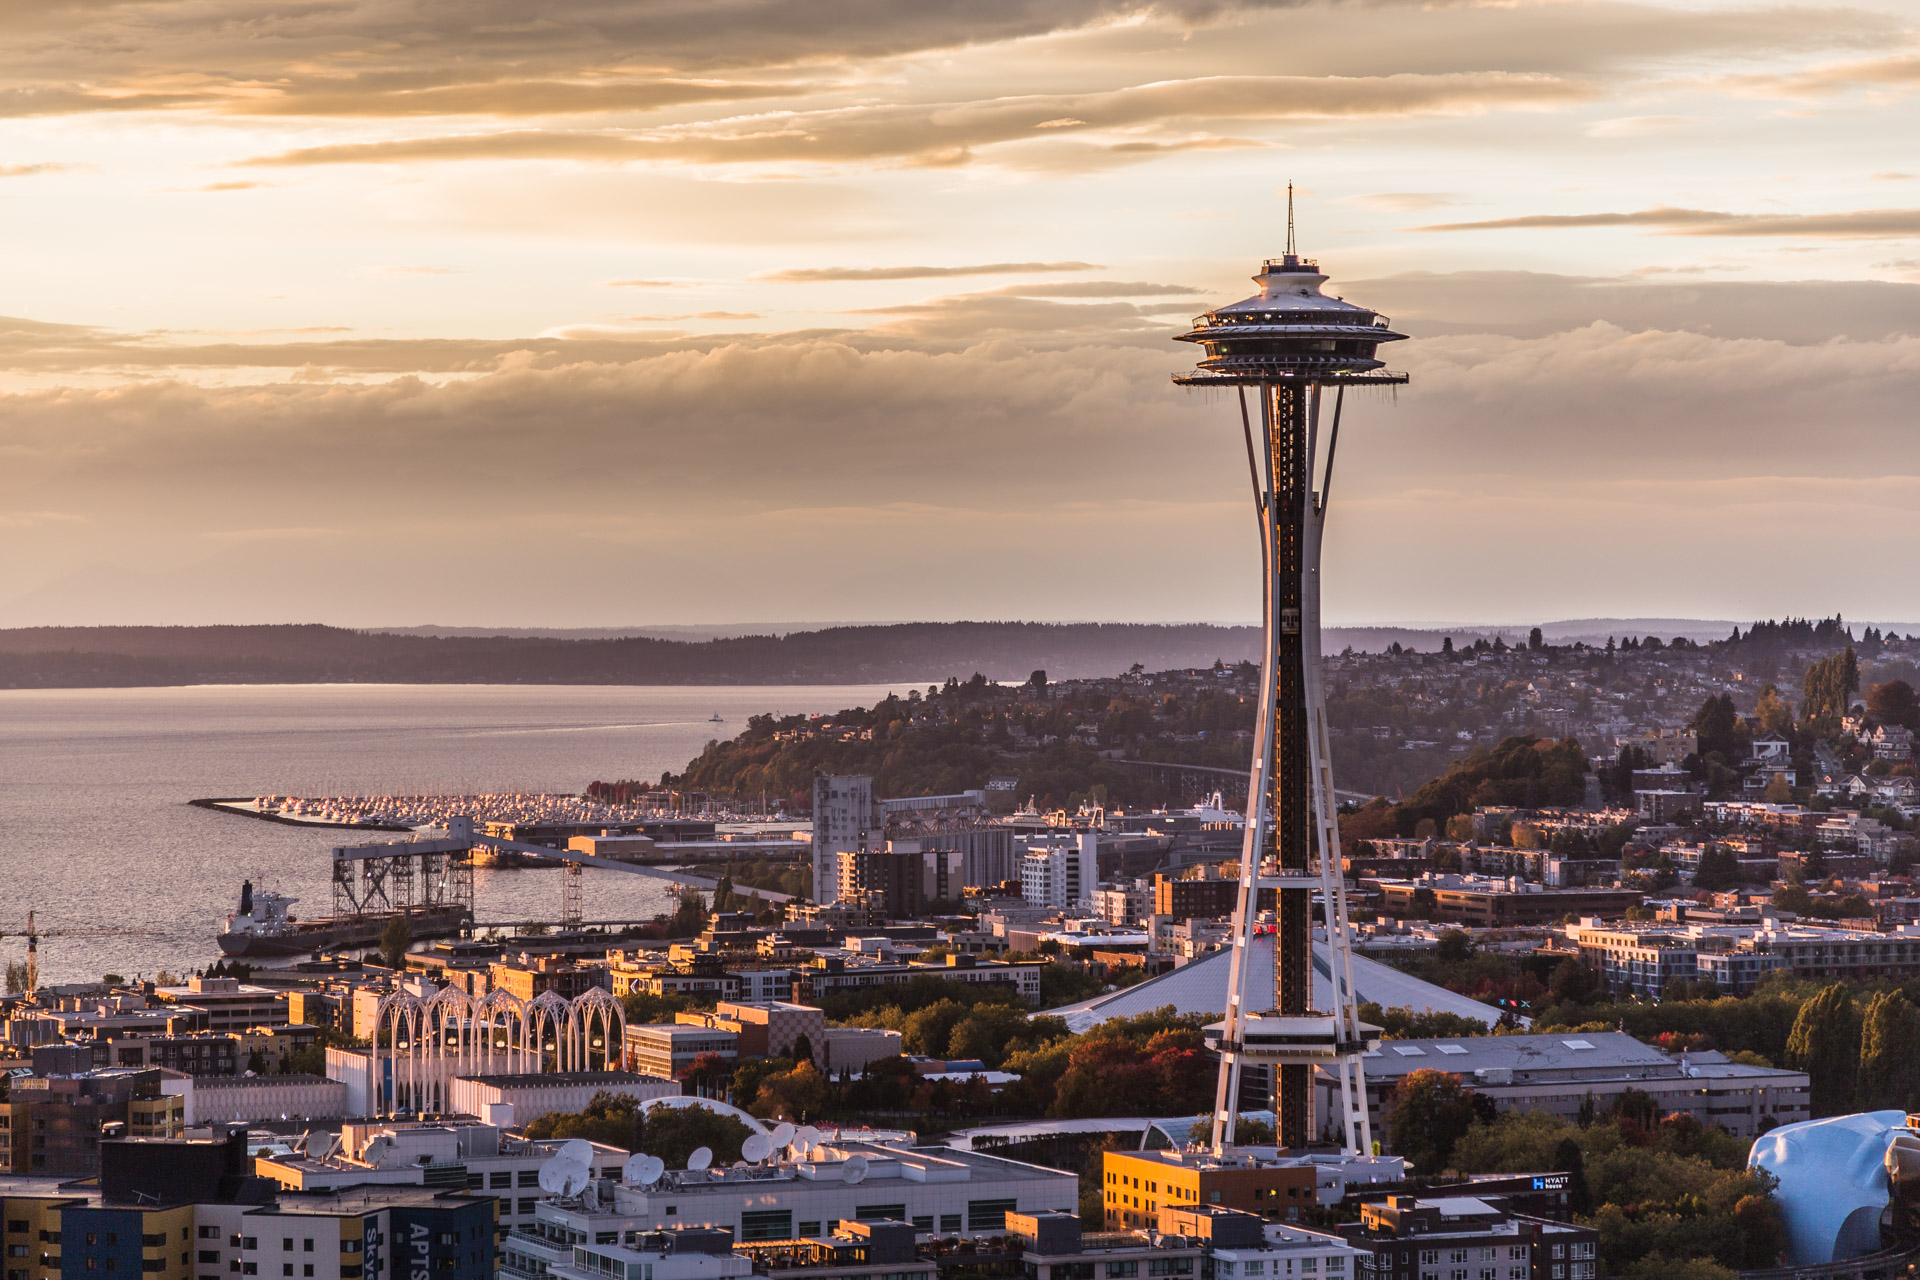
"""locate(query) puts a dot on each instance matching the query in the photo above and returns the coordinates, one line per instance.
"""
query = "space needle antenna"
(1287, 344)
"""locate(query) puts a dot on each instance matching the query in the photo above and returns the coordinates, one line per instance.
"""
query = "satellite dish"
(700, 1159)
(553, 1177)
(756, 1148)
(319, 1145)
(855, 1170)
(574, 1180)
(805, 1137)
(651, 1170)
(782, 1134)
(576, 1151)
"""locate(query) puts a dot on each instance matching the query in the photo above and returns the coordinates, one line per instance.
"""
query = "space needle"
(1290, 344)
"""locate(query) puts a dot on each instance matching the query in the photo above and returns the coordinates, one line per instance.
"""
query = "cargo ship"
(263, 926)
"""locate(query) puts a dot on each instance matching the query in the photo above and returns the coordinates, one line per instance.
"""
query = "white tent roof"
(1201, 987)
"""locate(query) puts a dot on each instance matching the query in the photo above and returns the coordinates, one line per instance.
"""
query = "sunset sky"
(611, 312)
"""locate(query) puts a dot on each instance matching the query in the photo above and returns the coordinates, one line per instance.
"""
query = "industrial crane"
(34, 934)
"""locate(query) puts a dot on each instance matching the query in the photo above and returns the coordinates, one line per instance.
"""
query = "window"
(923, 1222)
(497, 1180)
(882, 1213)
(308, 1269)
(988, 1215)
(1122, 1270)
(210, 1255)
(527, 1203)
(529, 1178)
(813, 1228)
(951, 1222)
(766, 1224)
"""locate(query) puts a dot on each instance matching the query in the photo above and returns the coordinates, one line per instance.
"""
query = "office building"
(1060, 872)
(1409, 1238)
(665, 1049)
(845, 820)
(886, 882)
(1265, 1181)
(231, 1005)
(1487, 903)
(50, 1124)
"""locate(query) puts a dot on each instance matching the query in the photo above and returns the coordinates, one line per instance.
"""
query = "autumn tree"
(1829, 685)
(395, 941)
(1773, 713)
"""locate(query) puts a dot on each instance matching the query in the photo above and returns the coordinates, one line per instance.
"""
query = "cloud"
(947, 132)
(29, 170)
(233, 186)
(699, 315)
(406, 270)
(812, 275)
(1875, 73)
(647, 284)
(1862, 223)
(1525, 304)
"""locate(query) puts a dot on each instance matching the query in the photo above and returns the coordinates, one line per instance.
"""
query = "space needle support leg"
(1226, 1103)
(1333, 890)
(1290, 420)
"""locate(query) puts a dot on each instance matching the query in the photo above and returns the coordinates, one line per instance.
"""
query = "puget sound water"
(96, 833)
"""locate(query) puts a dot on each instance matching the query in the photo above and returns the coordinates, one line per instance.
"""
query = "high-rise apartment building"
(845, 820)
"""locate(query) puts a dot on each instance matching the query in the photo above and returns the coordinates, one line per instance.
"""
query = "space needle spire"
(1288, 344)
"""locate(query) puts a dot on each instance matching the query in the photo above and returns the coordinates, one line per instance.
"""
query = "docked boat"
(264, 926)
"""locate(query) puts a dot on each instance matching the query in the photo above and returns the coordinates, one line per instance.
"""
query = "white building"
(261, 1099)
(478, 1157)
(936, 1189)
(533, 1096)
(845, 819)
(1056, 872)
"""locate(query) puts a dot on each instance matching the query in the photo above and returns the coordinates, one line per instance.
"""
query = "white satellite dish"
(553, 1177)
(574, 1180)
(576, 1151)
(652, 1169)
(805, 1137)
(855, 1170)
(318, 1145)
(700, 1159)
(756, 1148)
(782, 1134)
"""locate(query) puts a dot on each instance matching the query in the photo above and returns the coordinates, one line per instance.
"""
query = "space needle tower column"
(1289, 344)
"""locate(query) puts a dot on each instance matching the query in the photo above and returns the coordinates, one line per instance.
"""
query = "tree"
(1829, 684)
(1778, 792)
(1774, 714)
(723, 894)
(1825, 1043)
(1535, 640)
(797, 1095)
(395, 941)
(1453, 947)
(802, 1048)
(1432, 1112)
(1572, 982)
(1894, 703)
(1716, 726)
(1718, 869)
(1889, 1053)
(1568, 1159)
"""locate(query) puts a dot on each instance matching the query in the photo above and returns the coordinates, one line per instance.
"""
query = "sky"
(644, 312)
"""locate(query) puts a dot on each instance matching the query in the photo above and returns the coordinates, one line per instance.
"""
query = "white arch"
(434, 1038)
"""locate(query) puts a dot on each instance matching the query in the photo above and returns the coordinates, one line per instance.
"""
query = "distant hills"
(119, 657)
(109, 657)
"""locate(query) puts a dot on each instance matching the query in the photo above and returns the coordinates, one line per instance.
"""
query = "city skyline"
(653, 315)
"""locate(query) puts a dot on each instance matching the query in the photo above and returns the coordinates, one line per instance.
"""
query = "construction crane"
(34, 934)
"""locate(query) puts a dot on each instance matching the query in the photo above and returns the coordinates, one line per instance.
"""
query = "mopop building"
(1289, 345)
